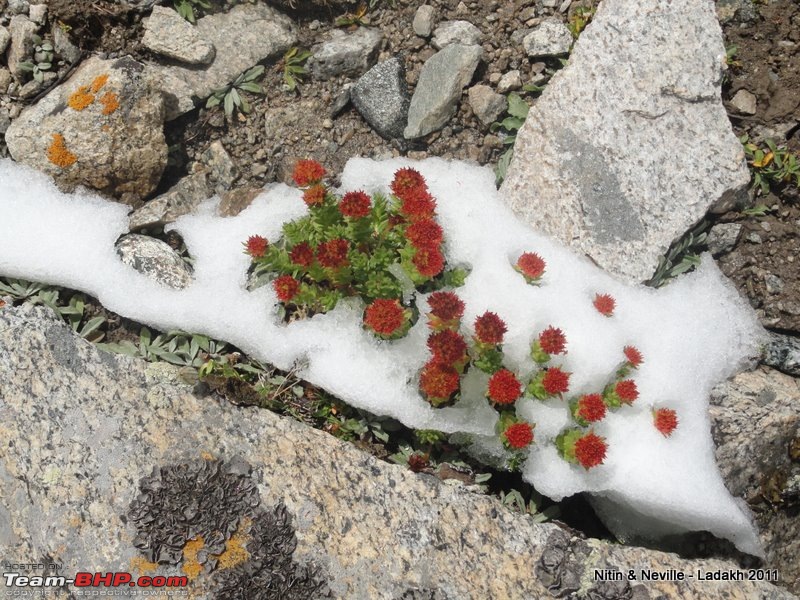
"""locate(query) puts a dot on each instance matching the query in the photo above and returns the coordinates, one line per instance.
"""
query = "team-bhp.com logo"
(95, 580)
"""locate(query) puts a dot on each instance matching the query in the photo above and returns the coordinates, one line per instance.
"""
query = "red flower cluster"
(555, 381)
(633, 356)
(315, 195)
(518, 435)
(333, 254)
(531, 265)
(425, 233)
(355, 205)
(384, 317)
(604, 304)
(446, 306)
(286, 287)
(490, 329)
(307, 172)
(590, 450)
(438, 381)
(665, 420)
(302, 254)
(627, 391)
(591, 408)
(428, 261)
(415, 201)
(447, 347)
(256, 246)
(552, 341)
(504, 387)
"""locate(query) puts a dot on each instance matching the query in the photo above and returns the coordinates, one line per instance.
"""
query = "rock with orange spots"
(102, 128)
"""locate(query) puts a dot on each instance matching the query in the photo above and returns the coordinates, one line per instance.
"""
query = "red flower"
(314, 195)
(428, 261)
(489, 329)
(504, 387)
(425, 233)
(407, 180)
(333, 254)
(384, 316)
(256, 246)
(531, 265)
(418, 205)
(633, 355)
(626, 390)
(518, 435)
(286, 286)
(447, 347)
(355, 205)
(590, 450)
(591, 408)
(446, 306)
(418, 462)
(438, 380)
(665, 420)
(302, 255)
(552, 340)
(555, 381)
(604, 304)
(307, 172)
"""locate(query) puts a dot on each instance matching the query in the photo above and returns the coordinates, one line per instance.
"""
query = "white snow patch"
(693, 333)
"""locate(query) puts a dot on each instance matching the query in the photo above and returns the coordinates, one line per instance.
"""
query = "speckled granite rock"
(154, 258)
(97, 449)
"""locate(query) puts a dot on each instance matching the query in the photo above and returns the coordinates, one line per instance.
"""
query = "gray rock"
(5, 80)
(169, 34)
(5, 38)
(423, 20)
(5, 120)
(348, 54)
(245, 35)
(783, 353)
(550, 38)
(743, 11)
(341, 101)
(595, 164)
(722, 238)
(381, 97)
(64, 47)
(155, 259)
(115, 454)
(34, 86)
(103, 128)
(181, 199)
(486, 103)
(441, 80)
(222, 170)
(22, 32)
(456, 32)
(18, 7)
(744, 102)
(509, 82)
(38, 13)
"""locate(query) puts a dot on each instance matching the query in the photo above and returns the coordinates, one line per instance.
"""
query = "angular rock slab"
(381, 97)
(81, 429)
(630, 145)
(169, 34)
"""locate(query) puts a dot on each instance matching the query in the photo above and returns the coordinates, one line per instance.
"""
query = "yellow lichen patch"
(99, 82)
(58, 154)
(81, 99)
(142, 566)
(191, 567)
(235, 552)
(110, 102)
(206, 455)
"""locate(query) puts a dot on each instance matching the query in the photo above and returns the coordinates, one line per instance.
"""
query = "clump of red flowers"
(448, 347)
(626, 391)
(302, 254)
(605, 304)
(438, 383)
(633, 356)
(550, 341)
(585, 449)
(665, 420)
(428, 261)
(286, 287)
(315, 195)
(425, 233)
(490, 329)
(532, 267)
(256, 246)
(589, 408)
(386, 318)
(333, 254)
(504, 387)
(355, 205)
(446, 310)
(308, 172)
(517, 436)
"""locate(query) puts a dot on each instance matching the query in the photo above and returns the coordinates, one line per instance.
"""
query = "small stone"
(346, 54)
(439, 88)
(486, 103)
(722, 238)
(565, 6)
(456, 32)
(744, 102)
(550, 38)
(64, 47)
(38, 13)
(314, 25)
(381, 97)
(423, 20)
(223, 171)
(35, 87)
(340, 102)
(327, 123)
(5, 38)
(754, 238)
(22, 44)
(155, 259)
(462, 8)
(181, 199)
(5, 120)
(235, 201)
(5, 80)
(168, 34)
(509, 82)
(774, 284)
(495, 78)
(782, 352)
(18, 7)
(549, 3)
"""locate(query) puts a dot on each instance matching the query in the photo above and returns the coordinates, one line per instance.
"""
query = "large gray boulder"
(630, 145)
(112, 464)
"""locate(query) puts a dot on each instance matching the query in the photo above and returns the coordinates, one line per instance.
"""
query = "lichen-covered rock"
(155, 259)
(169, 34)
(598, 164)
(103, 128)
(108, 461)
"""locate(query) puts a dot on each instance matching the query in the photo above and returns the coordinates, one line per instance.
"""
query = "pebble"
(550, 38)
(744, 102)
(423, 20)
(509, 82)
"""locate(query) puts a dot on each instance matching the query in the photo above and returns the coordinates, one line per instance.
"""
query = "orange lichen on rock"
(142, 566)
(58, 154)
(110, 102)
(81, 99)
(191, 567)
(206, 455)
(99, 82)
(235, 550)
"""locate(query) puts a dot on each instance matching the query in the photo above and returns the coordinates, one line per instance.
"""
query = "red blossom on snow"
(531, 265)
(490, 329)
(256, 246)
(518, 435)
(665, 420)
(504, 387)
(407, 180)
(333, 254)
(286, 287)
(555, 381)
(627, 391)
(314, 195)
(633, 355)
(438, 380)
(384, 316)
(302, 254)
(604, 304)
(552, 340)
(417, 205)
(591, 408)
(446, 306)
(425, 233)
(447, 347)
(428, 261)
(355, 205)
(590, 450)
(307, 172)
